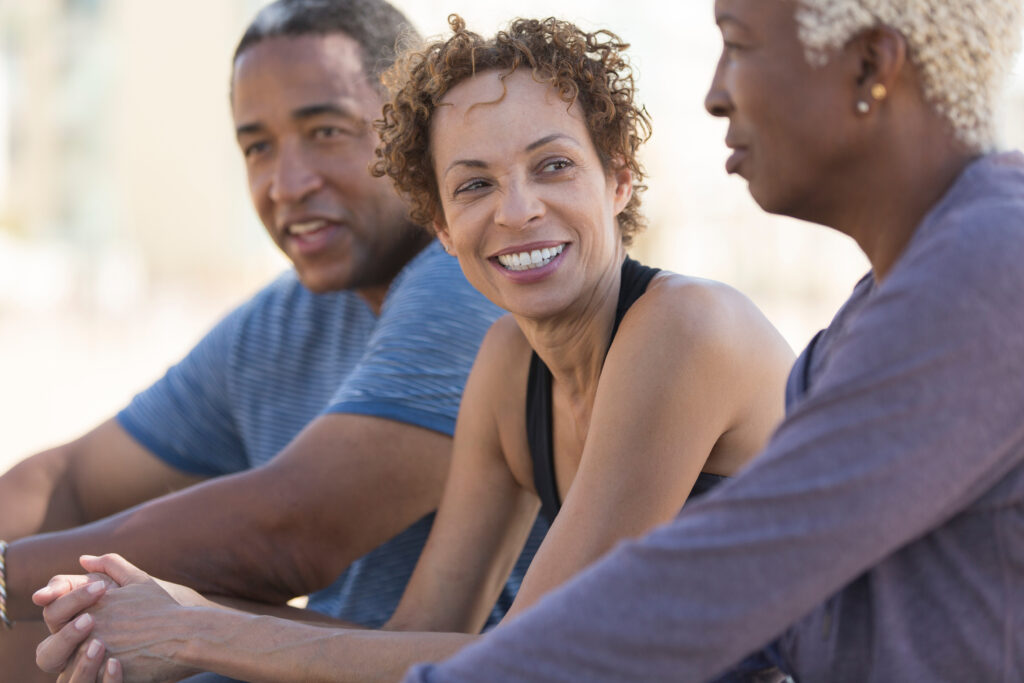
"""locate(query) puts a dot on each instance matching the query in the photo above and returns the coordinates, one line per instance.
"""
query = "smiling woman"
(613, 390)
(610, 396)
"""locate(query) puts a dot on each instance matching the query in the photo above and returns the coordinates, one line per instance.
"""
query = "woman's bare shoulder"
(704, 317)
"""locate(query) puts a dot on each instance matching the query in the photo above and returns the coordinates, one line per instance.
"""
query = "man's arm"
(346, 484)
(102, 472)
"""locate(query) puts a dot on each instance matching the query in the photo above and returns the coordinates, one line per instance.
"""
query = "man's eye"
(325, 132)
(254, 149)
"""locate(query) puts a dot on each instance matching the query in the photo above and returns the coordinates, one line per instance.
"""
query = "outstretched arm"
(102, 472)
(160, 631)
(325, 485)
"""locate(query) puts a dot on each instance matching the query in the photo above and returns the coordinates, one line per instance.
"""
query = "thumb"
(116, 567)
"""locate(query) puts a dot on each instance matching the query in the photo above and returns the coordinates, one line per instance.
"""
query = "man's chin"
(320, 282)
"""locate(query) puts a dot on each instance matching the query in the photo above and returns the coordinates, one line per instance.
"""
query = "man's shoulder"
(284, 313)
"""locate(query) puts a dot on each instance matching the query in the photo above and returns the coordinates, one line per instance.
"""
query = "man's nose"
(294, 178)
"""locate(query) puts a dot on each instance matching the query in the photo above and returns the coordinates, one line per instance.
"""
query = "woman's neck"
(888, 224)
(573, 344)
(895, 185)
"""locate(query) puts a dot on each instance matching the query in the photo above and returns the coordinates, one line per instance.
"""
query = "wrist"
(4, 618)
(210, 647)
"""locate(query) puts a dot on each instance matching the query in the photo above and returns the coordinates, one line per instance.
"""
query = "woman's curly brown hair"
(588, 68)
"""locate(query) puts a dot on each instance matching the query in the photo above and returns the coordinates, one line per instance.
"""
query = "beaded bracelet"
(3, 586)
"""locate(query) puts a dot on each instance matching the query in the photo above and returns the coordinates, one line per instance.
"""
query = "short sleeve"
(420, 354)
(185, 418)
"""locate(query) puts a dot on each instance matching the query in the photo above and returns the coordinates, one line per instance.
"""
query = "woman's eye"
(470, 186)
(555, 165)
(729, 47)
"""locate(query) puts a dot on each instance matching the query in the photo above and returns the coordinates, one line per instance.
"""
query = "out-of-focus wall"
(125, 227)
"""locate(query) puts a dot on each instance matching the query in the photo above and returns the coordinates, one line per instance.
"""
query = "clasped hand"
(114, 624)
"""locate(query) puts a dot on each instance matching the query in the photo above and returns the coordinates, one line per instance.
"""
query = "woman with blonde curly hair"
(611, 394)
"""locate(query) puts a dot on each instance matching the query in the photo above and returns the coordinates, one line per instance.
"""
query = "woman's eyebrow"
(550, 138)
(476, 163)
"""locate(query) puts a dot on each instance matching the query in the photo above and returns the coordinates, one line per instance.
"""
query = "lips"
(301, 228)
(739, 153)
(735, 160)
(529, 259)
(309, 235)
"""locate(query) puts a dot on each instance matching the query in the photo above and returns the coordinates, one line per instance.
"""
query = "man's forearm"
(177, 537)
(36, 496)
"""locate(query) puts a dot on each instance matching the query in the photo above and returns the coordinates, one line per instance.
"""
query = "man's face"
(302, 109)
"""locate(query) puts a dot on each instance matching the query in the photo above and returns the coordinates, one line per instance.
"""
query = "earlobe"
(883, 55)
(623, 178)
(441, 230)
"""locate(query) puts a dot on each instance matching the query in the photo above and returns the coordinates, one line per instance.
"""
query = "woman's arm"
(161, 631)
(485, 514)
(695, 372)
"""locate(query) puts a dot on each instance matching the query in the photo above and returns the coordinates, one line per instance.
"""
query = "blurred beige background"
(126, 231)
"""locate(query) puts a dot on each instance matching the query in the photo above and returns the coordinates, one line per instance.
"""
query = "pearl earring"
(863, 107)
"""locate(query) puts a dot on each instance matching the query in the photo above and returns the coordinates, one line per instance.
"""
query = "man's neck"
(375, 294)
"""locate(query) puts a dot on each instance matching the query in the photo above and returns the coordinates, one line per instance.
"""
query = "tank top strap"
(539, 421)
(632, 285)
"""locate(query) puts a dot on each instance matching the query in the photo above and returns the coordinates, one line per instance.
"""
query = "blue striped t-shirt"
(287, 356)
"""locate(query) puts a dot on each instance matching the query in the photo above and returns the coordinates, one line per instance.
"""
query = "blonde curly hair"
(962, 48)
(586, 68)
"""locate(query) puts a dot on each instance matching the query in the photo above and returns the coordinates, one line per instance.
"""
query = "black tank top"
(539, 433)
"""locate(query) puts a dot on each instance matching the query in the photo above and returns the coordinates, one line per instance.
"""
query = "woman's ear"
(882, 55)
(622, 179)
(441, 229)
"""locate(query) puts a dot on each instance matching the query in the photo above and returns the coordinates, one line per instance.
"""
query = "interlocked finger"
(65, 608)
(54, 653)
(88, 666)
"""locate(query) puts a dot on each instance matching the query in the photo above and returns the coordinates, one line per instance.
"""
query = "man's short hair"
(380, 30)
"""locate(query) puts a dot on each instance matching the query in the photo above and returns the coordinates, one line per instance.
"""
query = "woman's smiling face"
(528, 207)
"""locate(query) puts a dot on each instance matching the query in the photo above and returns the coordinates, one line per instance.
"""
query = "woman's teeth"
(528, 260)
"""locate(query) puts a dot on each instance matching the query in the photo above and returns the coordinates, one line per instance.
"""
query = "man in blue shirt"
(313, 424)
